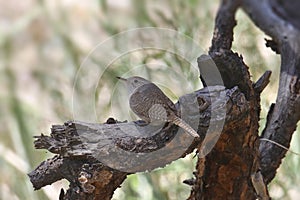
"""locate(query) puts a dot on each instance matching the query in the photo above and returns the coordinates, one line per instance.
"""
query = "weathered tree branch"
(83, 146)
(225, 22)
(231, 67)
(284, 115)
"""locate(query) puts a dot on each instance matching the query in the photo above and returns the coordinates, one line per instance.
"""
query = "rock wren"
(148, 102)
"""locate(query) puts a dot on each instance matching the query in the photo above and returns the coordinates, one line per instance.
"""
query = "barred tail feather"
(179, 122)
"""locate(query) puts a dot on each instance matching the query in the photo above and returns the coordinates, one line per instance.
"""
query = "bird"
(149, 103)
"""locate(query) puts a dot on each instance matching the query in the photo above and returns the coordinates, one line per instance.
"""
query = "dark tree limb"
(262, 82)
(231, 67)
(275, 20)
(225, 22)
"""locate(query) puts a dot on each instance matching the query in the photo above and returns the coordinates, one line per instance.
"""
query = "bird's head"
(134, 82)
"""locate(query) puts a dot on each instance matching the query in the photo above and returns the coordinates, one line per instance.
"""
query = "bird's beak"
(123, 79)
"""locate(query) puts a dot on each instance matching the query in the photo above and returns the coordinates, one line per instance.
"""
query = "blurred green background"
(42, 45)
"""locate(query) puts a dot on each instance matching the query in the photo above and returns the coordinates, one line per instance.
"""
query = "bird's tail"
(179, 122)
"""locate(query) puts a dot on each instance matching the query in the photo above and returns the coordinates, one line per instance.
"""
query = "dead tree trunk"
(226, 171)
(239, 166)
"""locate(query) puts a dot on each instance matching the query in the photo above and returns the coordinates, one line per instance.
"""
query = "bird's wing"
(148, 95)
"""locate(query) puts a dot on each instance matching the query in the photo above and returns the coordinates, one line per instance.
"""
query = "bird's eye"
(135, 81)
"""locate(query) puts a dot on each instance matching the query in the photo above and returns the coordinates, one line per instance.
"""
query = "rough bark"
(226, 171)
(279, 19)
(271, 17)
